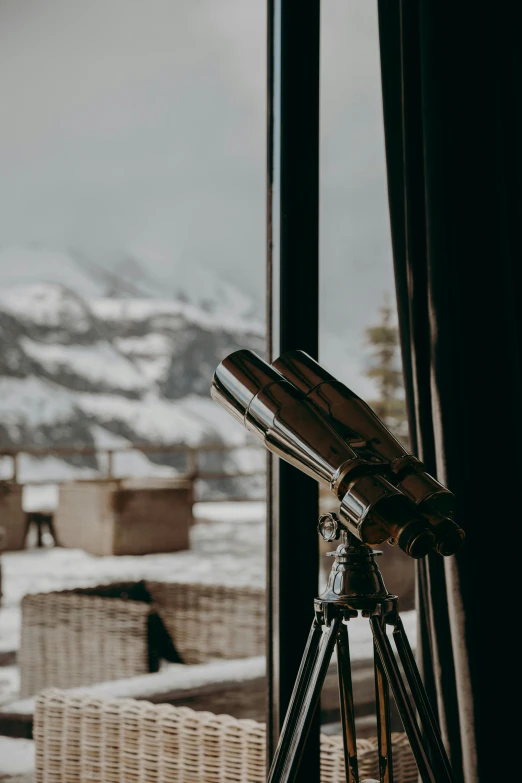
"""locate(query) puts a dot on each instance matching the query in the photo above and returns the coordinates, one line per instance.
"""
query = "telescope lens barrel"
(238, 379)
(350, 416)
(303, 415)
(357, 423)
(428, 494)
(302, 371)
(280, 416)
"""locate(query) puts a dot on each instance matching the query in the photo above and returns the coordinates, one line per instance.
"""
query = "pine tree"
(385, 370)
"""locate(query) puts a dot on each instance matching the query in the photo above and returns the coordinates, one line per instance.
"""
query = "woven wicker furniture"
(82, 739)
(108, 632)
(12, 517)
(211, 621)
(85, 636)
(127, 517)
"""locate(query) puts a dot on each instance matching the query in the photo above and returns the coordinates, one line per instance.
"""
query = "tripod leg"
(301, 684)
(382, 699)
(427, 718)
(303, 703)
(344, 671)
(400, 695)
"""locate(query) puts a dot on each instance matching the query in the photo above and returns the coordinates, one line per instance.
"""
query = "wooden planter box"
(85, 738)
(12, 517)
(128, 517)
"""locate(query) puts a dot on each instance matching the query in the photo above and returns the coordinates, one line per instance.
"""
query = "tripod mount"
(356, 585)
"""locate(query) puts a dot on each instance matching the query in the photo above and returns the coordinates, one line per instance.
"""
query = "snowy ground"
(228, 546)
(172, 677)
(16, 758)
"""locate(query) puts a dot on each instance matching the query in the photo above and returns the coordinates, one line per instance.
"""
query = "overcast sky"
(130, 124)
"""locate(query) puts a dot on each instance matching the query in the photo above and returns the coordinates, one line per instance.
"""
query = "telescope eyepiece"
(374, 510)
(416, 539)
(448, 534)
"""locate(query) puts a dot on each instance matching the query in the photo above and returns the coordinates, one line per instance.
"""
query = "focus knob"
(329, 527)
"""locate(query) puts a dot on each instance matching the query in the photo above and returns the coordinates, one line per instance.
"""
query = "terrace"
(291, 206)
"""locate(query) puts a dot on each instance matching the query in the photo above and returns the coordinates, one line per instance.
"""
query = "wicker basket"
(211, 621)
(12, 517)
(82, 739)
(81, 637)
(128, 517)
(108, 632)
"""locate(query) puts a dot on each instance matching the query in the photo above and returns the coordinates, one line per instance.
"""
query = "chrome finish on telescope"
(352, 418)
(366, 434)
(281, 418)
(314, 422)
(291, 427)
(374, 510)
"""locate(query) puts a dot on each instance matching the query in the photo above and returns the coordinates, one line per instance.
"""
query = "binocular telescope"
(304, 415)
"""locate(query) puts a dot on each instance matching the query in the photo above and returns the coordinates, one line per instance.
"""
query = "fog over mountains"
(124, 275)
(132, 216)
(108, 356)
(97, 357)
(141, 127)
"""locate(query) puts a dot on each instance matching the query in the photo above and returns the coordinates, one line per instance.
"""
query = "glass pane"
(132, 260)
(359, 337)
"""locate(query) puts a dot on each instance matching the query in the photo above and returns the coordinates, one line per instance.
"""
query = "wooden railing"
(192, 458)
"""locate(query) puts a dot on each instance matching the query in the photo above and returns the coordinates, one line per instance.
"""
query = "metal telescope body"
(359, 426)
(306, 417)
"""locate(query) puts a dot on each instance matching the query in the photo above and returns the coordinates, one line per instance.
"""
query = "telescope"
(301, 413)
(304, 415)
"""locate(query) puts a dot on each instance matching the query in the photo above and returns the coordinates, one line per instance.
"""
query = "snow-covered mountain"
(111, 355)
(79, 367)
(125, 275)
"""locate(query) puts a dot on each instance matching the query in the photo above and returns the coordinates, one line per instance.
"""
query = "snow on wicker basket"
(85, 636)
(84, 739)
(211, 621)
(89, 635)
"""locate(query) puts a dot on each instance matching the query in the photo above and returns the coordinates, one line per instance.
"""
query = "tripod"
(356, 584)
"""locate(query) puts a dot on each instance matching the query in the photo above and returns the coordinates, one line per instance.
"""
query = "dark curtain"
(452, 98)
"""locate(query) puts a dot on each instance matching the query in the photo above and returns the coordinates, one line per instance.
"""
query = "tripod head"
(355, 580)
